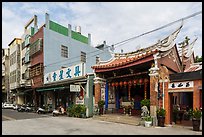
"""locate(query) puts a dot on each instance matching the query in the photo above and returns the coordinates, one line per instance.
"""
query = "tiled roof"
(121, 61)
(194, 67)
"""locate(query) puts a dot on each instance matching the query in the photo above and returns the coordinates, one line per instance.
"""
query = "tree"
(198, 59)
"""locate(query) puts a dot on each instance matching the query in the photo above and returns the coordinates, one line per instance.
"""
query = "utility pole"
(183, 45)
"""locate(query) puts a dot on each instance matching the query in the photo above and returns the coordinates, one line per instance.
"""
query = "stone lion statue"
(145, 111)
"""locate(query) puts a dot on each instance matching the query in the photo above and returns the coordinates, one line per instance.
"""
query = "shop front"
(185, 95)
(66, 87)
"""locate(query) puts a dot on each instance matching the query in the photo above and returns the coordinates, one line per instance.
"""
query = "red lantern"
(135, 82)
(125, 83)
(140, 81)
(121, 83)
(112, 84)
(116, 84)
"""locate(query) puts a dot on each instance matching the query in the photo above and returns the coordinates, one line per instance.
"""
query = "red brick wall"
(38, 81)
(196, 94)
(167, 103)
(36, 59)
(153, 94)
(97, 92)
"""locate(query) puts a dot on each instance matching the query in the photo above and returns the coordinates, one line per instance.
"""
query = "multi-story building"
(5, 75)
(61, 61)
(25, 82)
(14, 68)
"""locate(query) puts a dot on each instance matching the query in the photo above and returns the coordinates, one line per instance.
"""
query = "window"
(36, 46)
(13, 76)
(13, 58)
(83, 56)
(64, 51)
(23, 60)
(36, 70)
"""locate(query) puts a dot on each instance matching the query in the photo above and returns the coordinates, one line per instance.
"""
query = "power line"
(127, 40)
(169, 24)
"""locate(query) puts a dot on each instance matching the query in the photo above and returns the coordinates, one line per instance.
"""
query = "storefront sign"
(79, 101)
(184, 84)
(65, 73)
(74, 88)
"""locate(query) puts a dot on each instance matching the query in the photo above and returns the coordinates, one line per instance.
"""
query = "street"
(10, 114)
(35, 124)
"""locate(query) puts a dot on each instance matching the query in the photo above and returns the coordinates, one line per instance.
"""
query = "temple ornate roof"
(120, 59)
(194, 67)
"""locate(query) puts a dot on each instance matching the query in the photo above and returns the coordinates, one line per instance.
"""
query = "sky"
(112, 22)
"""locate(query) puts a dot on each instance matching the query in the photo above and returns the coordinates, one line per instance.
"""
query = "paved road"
(77, 126)
(10, 114)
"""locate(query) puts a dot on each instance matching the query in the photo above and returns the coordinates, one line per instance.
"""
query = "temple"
(128, 78)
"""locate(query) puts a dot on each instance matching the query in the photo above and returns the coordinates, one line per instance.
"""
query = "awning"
(47, 89)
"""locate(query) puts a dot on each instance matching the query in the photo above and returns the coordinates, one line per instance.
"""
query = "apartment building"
(14, 69)
(6, 96)
(61, 61)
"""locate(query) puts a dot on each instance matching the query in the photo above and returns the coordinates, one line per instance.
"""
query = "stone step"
(119, 119)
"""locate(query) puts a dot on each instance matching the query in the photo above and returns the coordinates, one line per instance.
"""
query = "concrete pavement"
(89, 126)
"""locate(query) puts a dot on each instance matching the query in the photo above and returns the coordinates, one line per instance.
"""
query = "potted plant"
(148, 121)
(196, 115)
(101, 103)
(175, 113)
(161, 117)
(145, 102)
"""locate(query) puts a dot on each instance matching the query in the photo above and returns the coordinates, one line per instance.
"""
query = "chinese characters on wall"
(184, 84)
(65, 73)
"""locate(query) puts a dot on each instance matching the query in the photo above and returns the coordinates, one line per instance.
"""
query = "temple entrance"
(130, 95)
(181, 103)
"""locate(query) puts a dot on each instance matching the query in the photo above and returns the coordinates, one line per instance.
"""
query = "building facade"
(61, 61)
(6, 95)
(14, 69)
(143, 74)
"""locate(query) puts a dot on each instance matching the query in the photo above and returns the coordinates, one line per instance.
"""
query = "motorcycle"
(41, 110)
(29, 108)
(58, 112)
(22, 108)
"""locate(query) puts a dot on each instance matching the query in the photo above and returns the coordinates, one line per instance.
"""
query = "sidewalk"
(118, 118)
(132, 120)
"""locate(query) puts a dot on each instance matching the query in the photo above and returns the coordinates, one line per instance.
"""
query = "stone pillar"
(98, 82)
(154, 75)
(166, 103)
(97, 92)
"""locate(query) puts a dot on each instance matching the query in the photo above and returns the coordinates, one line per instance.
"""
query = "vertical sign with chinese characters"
(65, 73)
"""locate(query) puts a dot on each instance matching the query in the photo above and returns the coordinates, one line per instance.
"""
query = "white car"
(8, 105)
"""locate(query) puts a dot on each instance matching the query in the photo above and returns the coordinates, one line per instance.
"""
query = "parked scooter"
(59, 111)
(41, 110)
(22, 108)
(29, 108)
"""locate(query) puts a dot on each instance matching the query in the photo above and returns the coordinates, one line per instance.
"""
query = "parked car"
(8, 105)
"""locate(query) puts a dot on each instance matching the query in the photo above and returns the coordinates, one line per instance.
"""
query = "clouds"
(110, 21)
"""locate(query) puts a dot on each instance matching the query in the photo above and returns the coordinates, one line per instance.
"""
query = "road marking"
(9, 118)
